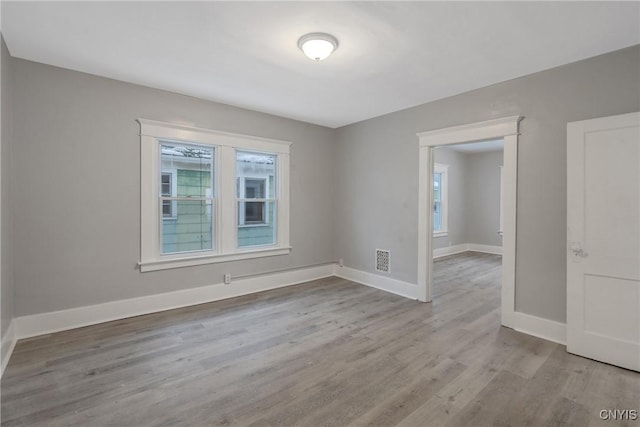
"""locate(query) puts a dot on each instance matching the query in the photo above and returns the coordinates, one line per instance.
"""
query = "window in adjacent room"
(440, 190)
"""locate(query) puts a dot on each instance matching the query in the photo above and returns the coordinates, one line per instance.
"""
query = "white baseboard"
(464, 247)
(449, 250)
(487, 249)
(7, 345)
(46, 323)
(542, 328)
(55, 321)
(384, 283)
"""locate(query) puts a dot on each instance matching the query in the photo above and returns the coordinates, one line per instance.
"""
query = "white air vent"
(383, 260)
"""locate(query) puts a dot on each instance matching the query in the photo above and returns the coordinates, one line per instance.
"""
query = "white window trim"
(444, 170)
(225, 210)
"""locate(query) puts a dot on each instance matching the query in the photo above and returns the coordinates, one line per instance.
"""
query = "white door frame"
(506, 128)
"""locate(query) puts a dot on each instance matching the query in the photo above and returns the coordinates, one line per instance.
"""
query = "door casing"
(507, 129)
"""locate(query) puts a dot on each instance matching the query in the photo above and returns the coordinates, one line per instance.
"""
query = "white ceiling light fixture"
(317, 46)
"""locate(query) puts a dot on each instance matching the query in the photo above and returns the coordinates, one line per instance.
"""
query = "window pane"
(187, 172)
(437, 216)
(255, 188)
(165, 189)
(166, 208)
(194, 183)
(191, 230)
(437, 201)
(260, 233)
(256, 193)
(193, 166)
(254, 212)
(254, 171)
(437, 187)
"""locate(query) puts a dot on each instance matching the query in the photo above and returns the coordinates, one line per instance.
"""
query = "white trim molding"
(465, 247)
(471, 132)
(450, 250)
(223, 198)
(56, 321)
(6, 346)
(506, 128)
(549, 330)
(486, 249)
(176, 262)
(398, 287)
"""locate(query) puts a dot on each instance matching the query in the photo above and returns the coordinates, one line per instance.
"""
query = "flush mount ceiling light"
(317, 46)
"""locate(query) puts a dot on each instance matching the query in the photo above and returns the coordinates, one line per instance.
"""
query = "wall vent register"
(383, 260)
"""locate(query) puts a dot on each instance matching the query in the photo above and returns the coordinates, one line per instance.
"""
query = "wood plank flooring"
(325, 353)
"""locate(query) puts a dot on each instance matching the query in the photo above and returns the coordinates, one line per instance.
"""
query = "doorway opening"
(467, 224)
(505, 129)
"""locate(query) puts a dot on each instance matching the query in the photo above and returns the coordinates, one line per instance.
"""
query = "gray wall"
(6, 264)
(75, 192)
(482, 198)
(474, 197)
(388, 180)
(77, 188)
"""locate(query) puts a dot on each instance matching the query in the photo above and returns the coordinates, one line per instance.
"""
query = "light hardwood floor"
(325, 353)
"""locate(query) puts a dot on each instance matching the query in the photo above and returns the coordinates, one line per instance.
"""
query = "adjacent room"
(319, 213)
(467, 218)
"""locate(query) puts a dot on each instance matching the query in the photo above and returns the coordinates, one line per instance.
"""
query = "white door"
(603, 239)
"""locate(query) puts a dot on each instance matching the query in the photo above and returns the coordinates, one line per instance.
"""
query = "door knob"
(576, 249)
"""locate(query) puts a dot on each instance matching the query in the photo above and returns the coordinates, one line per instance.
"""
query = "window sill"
(440, 234)
(168, 263)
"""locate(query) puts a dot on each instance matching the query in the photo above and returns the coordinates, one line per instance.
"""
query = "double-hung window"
(256, 197)
(209, 196)
(440, 196)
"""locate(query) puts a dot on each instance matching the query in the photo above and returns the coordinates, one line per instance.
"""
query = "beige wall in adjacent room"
(482, 198)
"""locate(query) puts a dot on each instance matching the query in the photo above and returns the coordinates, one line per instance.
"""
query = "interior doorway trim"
(507, 129)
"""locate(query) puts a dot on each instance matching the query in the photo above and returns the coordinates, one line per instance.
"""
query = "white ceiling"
(392, 55)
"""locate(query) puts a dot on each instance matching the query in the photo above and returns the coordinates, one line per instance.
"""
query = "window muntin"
(190, 202)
